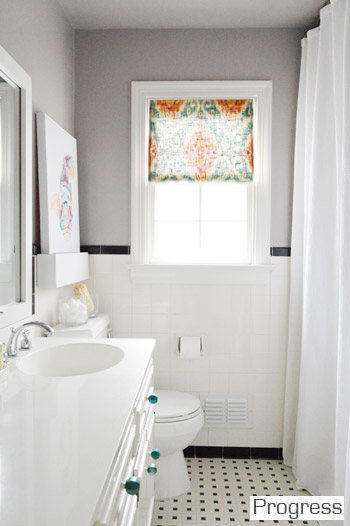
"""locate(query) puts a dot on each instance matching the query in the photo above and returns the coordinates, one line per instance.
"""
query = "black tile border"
(125, 250)
(280, 251)
(268, 453)
(94, 249)
(236, 452)
(190, 452)
(208, 452)
(263, 453)
(91, 249)
(106, 249)
(115, 249)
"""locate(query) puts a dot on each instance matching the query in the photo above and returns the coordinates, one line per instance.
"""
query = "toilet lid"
(175, 405)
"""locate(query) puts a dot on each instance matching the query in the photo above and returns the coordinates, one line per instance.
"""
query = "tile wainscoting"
(244, 328)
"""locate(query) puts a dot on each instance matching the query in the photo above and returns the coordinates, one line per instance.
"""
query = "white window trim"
(142, 93)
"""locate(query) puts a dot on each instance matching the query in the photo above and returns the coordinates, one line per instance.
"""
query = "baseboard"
(266, 453)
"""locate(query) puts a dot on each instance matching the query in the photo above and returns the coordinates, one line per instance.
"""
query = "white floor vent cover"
(220, 411)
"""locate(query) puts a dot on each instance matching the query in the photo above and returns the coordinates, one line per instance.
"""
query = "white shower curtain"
(317, 410)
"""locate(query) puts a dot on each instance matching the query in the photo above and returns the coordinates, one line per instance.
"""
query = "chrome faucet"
(11, 348)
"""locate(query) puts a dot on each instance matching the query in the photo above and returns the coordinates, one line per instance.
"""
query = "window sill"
(201, 274)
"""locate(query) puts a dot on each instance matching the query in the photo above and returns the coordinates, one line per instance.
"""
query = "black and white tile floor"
(221, 491)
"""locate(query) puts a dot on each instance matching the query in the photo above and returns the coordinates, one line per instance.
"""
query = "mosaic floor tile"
(222, 490)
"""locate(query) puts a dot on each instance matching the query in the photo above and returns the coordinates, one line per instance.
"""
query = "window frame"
(141, 94)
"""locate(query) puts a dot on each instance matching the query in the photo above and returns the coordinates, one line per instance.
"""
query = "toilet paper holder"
(179, 341)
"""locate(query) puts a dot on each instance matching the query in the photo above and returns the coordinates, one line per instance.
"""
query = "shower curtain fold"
(317, 407)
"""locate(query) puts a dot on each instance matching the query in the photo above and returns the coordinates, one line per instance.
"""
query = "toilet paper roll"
(190, 347)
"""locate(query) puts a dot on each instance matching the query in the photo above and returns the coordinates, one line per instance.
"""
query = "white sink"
(73, 359)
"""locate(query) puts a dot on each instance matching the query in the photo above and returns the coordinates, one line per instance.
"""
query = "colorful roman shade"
(201, 140)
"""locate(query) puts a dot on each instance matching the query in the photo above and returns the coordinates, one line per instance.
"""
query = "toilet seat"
(175, 406)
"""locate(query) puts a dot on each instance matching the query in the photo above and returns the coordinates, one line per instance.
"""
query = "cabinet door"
(120, 470)
(146, 497)
(115, 506)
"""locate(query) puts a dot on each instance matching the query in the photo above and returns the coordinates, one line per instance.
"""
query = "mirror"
(9, 192)
(15, 191)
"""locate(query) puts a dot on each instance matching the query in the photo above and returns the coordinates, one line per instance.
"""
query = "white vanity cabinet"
(132, 466)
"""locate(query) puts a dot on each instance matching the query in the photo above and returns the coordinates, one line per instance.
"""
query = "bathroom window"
(200, 222)
(200, 172)
(201, 166)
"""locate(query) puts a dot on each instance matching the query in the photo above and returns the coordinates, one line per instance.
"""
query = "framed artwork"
(58, 187)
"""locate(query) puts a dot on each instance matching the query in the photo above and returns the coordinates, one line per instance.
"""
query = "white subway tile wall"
(244, 331)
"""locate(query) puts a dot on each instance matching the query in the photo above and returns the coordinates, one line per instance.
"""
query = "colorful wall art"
(58, 188)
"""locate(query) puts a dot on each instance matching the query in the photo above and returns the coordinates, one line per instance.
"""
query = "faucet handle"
(26, 342)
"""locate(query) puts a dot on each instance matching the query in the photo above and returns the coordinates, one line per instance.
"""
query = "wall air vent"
(221, 411)
(214, 411)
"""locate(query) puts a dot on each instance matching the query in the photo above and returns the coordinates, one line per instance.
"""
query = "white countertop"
(58, 436)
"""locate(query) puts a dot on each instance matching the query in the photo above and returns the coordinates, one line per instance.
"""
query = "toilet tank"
(98, 327)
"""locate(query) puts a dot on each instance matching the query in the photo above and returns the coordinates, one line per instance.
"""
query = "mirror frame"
(15, 312)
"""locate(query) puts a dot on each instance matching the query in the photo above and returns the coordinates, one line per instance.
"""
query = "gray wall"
(107, 62)
(40, 38)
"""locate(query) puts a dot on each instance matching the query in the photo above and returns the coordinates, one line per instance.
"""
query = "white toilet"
(179, 418)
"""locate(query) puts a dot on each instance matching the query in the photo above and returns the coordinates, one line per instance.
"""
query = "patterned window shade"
(201, 140)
